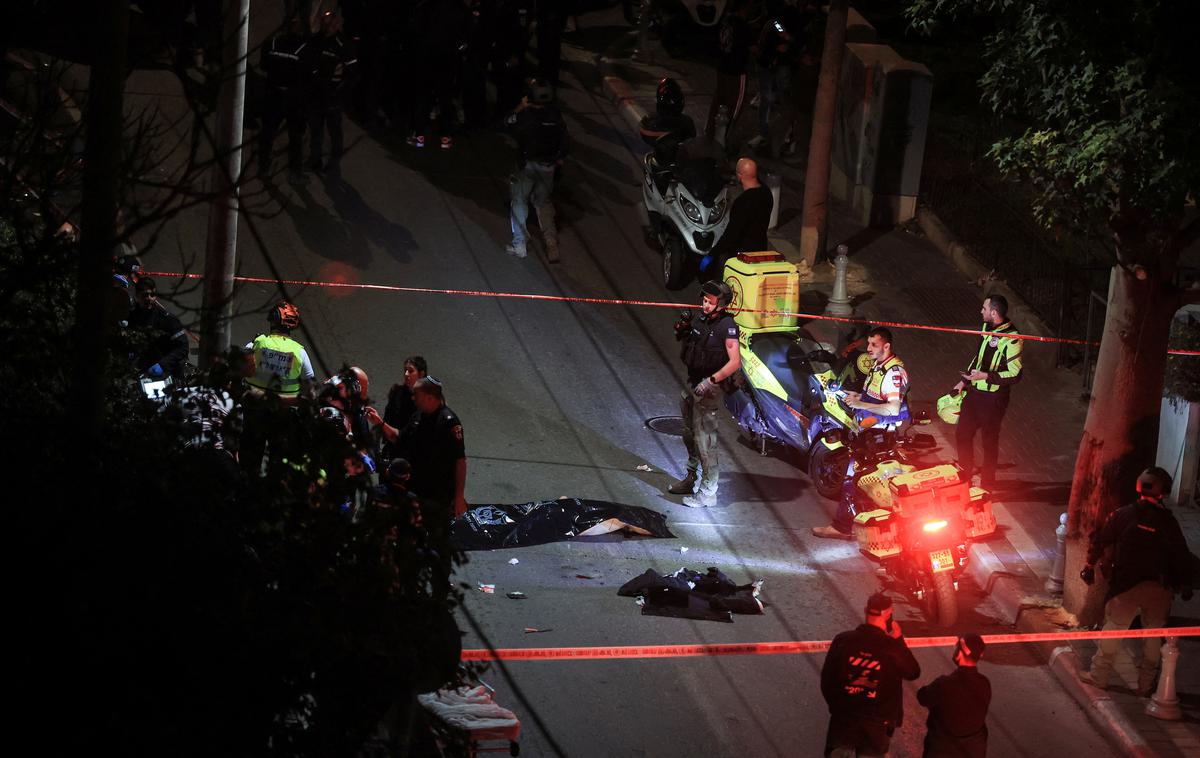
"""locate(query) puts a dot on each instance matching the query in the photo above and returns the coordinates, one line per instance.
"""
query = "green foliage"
(1108, 93)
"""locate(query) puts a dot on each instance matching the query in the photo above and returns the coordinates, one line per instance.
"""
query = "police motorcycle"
(685, 198)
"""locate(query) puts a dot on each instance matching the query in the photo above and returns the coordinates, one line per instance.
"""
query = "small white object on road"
(488, 588)
(683, 549)
(514, 561)
(644, 467)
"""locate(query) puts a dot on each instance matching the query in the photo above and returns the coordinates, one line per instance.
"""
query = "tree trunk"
(102, 155)
(820, 146)
(1121, 431)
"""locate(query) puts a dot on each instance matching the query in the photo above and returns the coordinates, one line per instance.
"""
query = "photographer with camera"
(1142, 552)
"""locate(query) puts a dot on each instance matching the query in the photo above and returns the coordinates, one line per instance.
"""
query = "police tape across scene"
(648, 303)
(792, 648)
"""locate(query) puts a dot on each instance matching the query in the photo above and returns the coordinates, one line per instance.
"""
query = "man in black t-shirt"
(861, 681)
(958, 705)
(432, 442)
(748, 221)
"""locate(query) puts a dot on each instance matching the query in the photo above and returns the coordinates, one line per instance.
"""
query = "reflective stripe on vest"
(1006, 355)
(874, 384)
(278, 360)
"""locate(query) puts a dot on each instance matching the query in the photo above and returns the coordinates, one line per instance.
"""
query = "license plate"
(941, 560)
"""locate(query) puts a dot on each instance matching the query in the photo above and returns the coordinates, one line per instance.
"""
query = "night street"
(555, 397)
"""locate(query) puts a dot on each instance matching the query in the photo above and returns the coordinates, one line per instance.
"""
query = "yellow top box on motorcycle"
(763, 281)
(941, 484)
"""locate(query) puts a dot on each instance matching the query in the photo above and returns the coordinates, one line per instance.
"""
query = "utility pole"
(221, 255)
(105, 121)
(815, 213)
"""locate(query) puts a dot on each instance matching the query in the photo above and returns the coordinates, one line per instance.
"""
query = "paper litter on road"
(514, 561)
(644, 467)
(516, 595)
(683, 549)
(488, 588)
(532, 630)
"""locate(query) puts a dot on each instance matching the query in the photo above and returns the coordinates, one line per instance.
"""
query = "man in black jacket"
(958, 704)
(748, 220)
(331, 64)
(861, 683)
(164, 348)
(1150, 562)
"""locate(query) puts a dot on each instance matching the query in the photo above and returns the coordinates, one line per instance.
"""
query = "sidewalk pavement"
(901, 276)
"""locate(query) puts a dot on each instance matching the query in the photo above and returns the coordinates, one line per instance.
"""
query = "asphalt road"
(554, 397)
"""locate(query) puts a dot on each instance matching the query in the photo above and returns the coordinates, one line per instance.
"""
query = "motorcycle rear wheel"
(674, 263)
(827, 470)
(943, 604)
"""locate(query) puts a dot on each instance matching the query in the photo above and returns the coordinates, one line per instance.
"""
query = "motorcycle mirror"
(822, 356)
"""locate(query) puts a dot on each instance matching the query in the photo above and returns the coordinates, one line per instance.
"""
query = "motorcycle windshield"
(701, 178)
(783, 355)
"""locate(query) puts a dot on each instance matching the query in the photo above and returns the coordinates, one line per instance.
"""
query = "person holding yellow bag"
(987, 382)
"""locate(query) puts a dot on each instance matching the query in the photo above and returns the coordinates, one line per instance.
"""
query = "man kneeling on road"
(883, 398)
(711, 354)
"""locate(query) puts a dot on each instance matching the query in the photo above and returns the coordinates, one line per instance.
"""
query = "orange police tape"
(649, 303)
(788, 648)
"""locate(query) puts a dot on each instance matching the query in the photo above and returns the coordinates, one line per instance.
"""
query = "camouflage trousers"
(700, 437)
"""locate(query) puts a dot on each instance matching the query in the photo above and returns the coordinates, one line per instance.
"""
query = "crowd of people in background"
(421, 66)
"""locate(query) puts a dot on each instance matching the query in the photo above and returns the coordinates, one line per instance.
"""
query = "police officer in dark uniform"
(712, 356)
(331, 64)
(432, 442)
(958, 705)
(861, 683)
(1149, 562)
(284, 100)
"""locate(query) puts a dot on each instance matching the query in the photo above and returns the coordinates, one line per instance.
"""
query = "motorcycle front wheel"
(827, 470)
(943, 604)
(674, 263)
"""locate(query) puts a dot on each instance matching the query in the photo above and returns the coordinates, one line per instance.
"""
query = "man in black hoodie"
(1149, 562)
(861, 683)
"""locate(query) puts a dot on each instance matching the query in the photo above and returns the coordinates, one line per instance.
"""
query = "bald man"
(748, 220)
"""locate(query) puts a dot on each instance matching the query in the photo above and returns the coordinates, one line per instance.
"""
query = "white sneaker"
(512, 249)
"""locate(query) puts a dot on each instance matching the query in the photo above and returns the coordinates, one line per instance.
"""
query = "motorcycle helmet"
(950, 406)
(284, 315)
(540, 92)
(720, 290)
(669, 97)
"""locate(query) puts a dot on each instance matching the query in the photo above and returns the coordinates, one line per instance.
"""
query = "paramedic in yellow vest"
(995, 368)
(281, 364)
(884, 397)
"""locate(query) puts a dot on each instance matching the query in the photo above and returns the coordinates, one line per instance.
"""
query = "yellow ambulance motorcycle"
(915, 521)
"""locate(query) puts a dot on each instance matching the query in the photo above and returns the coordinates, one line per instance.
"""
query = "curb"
(1099, 707)
(940, 236)
(618, 92)
(1001, 586)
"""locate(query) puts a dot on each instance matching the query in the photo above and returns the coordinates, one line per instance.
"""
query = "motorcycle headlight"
(718, 212)
(690, 210)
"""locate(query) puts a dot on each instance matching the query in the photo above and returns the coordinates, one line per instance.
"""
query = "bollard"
(774, 183)
(1054, 585)
(839, 301)
(643, 52)
(1164, 703)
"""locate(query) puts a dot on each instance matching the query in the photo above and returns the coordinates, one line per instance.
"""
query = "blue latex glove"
(155, 371)
(705, 262)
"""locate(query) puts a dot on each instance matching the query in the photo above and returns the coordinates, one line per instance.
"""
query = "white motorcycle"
(685, 209)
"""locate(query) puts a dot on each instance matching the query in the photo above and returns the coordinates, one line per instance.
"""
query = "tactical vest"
(873, 385)
(704, 347)
(278, 361)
